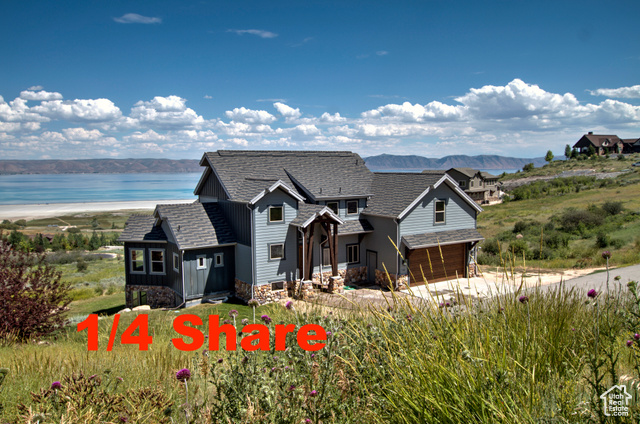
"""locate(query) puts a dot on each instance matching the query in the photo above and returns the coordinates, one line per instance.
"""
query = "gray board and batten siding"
(201, 281)
(268, 233)
(170, 278)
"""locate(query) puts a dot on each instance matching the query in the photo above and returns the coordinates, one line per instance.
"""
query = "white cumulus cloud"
(618, 93)
(39, 95)
(289, 113)
(89, 110)
(250, 116)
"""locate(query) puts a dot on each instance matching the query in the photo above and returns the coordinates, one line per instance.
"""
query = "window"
(157, 261)
(462, 183)
(440, 206)
(353, 253)
(277, 285)
(333, 206)
(276, 214)
(276, 251)
(352, 207)
(137, 261)
(201, 262)
(471, 183)
(218, 260)
(176, 262)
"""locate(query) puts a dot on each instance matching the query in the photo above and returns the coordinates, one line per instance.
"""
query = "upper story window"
(462, 183)
(157, 261)
(137, 261)
(333, 206)
(471, 183)
(276, 214)
(440, 212)
(218, 260)
(352, 207)
(201, 262)
(176, 262)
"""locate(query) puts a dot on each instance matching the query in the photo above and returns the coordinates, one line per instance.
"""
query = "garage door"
(454, 261)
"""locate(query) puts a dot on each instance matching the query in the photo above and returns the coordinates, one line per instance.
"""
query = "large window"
(157, 261)
(440, 213)
(276, 214)
(276, 251)
(333, 206)
(352, 207)
(353, 253)
(137, 261)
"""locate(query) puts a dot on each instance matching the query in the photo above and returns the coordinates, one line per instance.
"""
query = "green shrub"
(486, 259)
(576, 220)
(82, 293)
(73, 230)
(491, 247)
(612, 208)
(81, 265)
(520, 247)
(602, 240)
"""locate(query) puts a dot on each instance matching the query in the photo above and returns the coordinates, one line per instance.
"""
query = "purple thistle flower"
(273, 369)
(447, 304)
(275, 358)
(253, 303)
(606, 254)
(289, 305)
(592, 293)
(233, 313)
(292, 388)
(286, 368)
(636, 336)
(629, 343)
(226, 321)
(313, 355)
(308, 421)
(56, 385)
(124, 419)
(266, 319)
(183, 375)
(523, 299)
(441, 305)
(120, 379)
(220, 360)
(329, 333)
(313, 393)
(245, 321)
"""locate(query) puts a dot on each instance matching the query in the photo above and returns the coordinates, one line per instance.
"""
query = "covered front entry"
(434, 267)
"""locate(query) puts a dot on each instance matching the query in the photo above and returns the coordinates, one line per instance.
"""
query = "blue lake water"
(79, 188)
(76, 188)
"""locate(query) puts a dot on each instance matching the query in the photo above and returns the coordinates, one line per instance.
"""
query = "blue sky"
(89, 79)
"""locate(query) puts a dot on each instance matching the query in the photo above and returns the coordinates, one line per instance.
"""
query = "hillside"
(98, 166)
(385, 161)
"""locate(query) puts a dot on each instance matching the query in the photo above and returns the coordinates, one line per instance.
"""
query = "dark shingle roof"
(602, 140)
(306, 211)
(442, 238)
(141, 228)
(196, 225)
(469, 172)
(244, 174)
(355, 226)
(394, 191)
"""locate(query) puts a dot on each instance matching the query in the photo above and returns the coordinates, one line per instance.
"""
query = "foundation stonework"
(157, 296)
(355, 275)
(382, 280)
(263, 293)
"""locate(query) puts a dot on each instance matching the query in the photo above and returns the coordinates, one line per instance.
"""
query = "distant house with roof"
(479, 185)
(602, 144)
(630, 145)
(275, 224)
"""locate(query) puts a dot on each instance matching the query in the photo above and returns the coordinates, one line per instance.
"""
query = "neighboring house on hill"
(270, 225)
(602, 144)
(480, 186)
(631, 145)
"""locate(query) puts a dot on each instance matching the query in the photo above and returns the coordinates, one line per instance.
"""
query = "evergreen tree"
(567, 152)
(549, 156)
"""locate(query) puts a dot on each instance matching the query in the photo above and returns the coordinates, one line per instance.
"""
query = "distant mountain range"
(386, 162)
(136, 166)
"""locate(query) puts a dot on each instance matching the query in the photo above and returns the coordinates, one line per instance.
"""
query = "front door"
(372, 264)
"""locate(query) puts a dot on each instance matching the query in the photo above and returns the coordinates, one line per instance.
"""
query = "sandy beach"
(45, 210)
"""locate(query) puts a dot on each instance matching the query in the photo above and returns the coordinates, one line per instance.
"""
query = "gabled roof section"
(441, 238)
(355, 226)
(313, 174)
(307, 213)
(469, 172)
(393, 192)
(195, 225)
(275, 186)
(142, 228)
(599, 140)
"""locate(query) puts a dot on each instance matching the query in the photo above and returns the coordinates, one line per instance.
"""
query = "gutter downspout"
(184, 294)
(398, 250)
(253, 252)
(303, 263)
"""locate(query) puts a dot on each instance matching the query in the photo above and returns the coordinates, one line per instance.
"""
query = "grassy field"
(84, 221)
(546, 358)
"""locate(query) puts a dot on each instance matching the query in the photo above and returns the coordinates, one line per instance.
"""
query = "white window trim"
(283, 251)
(144, 262)
(284, 285)
(204, 262)
(151, 262)
(351, 246)
(215, 260)
(176, 261)
(436, 212)
(269, 214)
(357, 207)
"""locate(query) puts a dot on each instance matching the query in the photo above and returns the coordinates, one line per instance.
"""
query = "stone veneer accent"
(472, 270)
(262, 293)
(383, 281)
(354, 275)
(157, 296)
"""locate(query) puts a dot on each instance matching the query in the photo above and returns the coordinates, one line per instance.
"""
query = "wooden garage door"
(454, 260)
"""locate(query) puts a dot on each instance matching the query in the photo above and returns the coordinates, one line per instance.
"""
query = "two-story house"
(273, 224)
(479, 185)
(601, 144)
